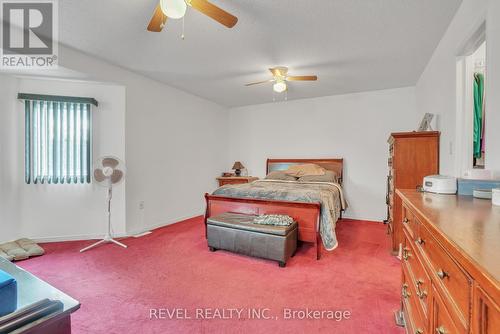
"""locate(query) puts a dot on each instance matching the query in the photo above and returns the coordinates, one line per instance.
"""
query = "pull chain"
(182, 36)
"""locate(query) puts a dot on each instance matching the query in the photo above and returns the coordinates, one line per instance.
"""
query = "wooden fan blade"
(214, 12)
(302, 78)
(260, 82)
(278, 71)
(158, 20)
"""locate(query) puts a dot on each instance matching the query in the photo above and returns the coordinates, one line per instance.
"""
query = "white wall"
(176, 144)
(493, 86)
(355, 127)
(9, 192)
(436, 88)
(63, 212)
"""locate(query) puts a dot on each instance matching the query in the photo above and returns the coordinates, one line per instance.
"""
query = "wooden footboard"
(305, 214)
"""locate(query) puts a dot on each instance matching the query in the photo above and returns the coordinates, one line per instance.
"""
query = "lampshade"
(174, 9)
(238, 165)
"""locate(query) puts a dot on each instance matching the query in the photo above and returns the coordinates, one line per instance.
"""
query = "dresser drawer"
(410, 223)
(419, 280)
(446, 272)
(414, 321)
(442, 322)
(488, 312)
(232, 181)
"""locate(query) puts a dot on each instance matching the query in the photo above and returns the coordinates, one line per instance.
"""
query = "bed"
(315, 206)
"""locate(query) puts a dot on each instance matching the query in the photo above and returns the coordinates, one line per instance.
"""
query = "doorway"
(471, 106)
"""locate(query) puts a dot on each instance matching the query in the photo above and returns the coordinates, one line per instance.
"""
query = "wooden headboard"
(336, 165)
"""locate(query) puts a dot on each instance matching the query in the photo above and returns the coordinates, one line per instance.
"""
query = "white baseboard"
(141, 234)
(164, 223)
(115, 235)
(75, 237)
(137, 232)
(371, 219)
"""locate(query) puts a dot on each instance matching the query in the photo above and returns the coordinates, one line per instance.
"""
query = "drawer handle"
(419, 331)
(441, 330)
(420, 294)
(420, 241)
(406, 254)
(442, 274)
(405, 221)
(404, 291)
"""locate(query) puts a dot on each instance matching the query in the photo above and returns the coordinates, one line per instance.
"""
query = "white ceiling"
(352, 45)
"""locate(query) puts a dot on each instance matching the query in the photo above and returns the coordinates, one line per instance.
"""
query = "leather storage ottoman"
(237, 233)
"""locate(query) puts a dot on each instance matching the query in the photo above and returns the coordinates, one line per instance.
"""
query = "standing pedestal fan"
(108, 172)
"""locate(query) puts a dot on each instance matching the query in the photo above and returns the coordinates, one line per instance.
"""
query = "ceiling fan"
(280, 78)
(176, 9)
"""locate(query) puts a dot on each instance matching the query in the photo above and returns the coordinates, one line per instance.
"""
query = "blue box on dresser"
(8, 293)
(467, 186)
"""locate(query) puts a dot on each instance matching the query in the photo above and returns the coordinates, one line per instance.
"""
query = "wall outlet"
(141, 205)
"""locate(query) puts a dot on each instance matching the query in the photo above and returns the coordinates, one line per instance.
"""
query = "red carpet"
(172, 268)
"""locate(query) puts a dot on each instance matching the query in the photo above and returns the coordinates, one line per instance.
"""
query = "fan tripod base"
(106, 239)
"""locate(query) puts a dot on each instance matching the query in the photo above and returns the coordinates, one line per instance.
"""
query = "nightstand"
(235, 180)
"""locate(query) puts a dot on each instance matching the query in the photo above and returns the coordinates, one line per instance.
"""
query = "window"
(58, 139)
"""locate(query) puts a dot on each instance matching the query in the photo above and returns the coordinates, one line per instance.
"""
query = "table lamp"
(238, 166)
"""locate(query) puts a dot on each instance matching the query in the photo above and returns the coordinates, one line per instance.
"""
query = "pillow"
(305, 169)
(5, 256)
(20, 249)
(280, 175)
(30, 247)
(330, 176)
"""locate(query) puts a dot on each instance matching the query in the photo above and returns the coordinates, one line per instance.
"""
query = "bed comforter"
(329, 195)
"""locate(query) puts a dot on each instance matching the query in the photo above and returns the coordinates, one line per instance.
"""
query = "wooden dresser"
(451, 264)
(235, 179)
(412, 155)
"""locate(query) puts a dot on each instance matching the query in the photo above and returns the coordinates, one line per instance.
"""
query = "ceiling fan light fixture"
(174, 9)
(279, 87)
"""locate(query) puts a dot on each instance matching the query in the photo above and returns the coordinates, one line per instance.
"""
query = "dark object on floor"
(237, 233)
(20, 249)
(40, 308)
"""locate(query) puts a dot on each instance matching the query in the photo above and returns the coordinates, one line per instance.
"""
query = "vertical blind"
(58, 141)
